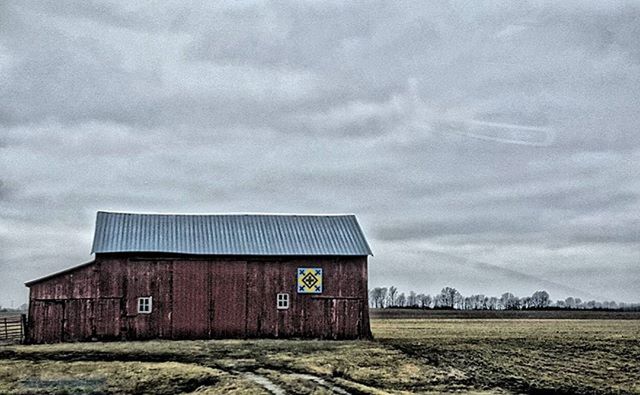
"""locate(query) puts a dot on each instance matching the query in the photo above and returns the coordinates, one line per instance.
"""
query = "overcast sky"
(491, 147)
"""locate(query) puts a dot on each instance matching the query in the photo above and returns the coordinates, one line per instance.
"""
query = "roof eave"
(56, 274)
(368, 253)
(364, 237)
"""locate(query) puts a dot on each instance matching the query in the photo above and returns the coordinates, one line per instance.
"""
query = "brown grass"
(408, 356)
(550, 356)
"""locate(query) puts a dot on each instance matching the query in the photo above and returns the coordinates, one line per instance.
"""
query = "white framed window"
(283, 301)
(145, 305)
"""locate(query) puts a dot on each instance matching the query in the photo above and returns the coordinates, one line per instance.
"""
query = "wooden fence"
(12, 328)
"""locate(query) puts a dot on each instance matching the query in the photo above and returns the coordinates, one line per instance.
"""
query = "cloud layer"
(489, 147)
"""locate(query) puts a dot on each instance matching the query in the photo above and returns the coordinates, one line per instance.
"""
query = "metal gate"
(12, 328)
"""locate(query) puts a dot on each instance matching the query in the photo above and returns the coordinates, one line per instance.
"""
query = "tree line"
(450, 298)
(20, 309)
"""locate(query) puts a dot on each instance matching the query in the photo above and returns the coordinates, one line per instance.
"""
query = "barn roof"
(230, 234)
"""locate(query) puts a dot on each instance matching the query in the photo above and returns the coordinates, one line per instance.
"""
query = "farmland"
(411, 353)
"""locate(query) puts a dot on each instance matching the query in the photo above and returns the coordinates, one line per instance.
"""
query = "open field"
(560, 356)
(506, 314)
(408, 355)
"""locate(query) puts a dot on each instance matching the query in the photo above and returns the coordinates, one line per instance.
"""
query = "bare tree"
(508, 301)
(449, 297)
(579, 304)
(372, 297)
(402, 300)
(570, 303)
(439, 301)
(393, 295)
(383, 296)
(376, 298)
(471, 302)
(540, 299)
(425, 300)
(412, 299)
(479, 302)
(419, 300)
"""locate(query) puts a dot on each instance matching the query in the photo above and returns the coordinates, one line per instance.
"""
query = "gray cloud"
(502, 133)
(465, 226)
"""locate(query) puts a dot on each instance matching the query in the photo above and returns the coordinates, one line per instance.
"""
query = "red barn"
(209, 276)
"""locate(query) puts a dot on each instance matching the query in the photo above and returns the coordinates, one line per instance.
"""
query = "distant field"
(505, 314)
(590, 356)
(9, 314)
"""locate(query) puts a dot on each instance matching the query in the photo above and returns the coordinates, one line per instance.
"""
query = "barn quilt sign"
(309, 280)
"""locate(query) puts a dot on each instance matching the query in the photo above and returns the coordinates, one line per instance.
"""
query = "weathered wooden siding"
(191, 300)
(228, 299)
(50, 319)
(217, 297)
(309, 315)
(148, 278)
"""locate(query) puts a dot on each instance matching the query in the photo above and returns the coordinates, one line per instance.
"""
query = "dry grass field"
(409, 355)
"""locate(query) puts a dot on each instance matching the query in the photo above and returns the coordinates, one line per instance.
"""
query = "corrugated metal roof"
(230, 234)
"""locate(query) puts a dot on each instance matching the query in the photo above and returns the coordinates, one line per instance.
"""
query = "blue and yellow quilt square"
(309, 280)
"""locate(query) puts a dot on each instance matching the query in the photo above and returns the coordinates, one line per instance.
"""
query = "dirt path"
(264, 383)
(323, 383)
(279, 382)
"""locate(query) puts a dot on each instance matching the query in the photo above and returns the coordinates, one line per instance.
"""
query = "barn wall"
(195, 298)
(191, 296)
(341, 311)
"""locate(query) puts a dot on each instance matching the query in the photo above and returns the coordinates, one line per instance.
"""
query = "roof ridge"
(234, 214)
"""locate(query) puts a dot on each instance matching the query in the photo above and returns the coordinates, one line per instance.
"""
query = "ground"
(412, 352)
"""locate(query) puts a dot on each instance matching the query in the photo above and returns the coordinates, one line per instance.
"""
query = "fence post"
(23, 327)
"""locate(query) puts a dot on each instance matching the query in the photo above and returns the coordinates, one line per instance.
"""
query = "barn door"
(47, 323)
(78, 320)
(228, 310)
